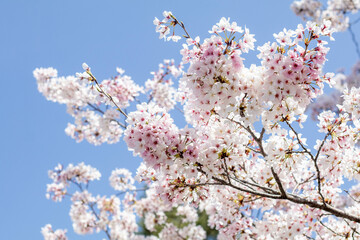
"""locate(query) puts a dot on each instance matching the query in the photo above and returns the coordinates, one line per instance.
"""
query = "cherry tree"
(242, 158)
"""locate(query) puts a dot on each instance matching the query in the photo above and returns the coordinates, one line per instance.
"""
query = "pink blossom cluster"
(91, 213)
(107, 216)
(293, 77)
(336, 11)
(121, 88)
(213, 80)
(153, 135)
(290, 75)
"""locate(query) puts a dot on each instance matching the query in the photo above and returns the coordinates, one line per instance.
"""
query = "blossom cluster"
(80, 174)
(117, 218)
(122, 89)
(160, 86)
(49, 234)
(121, 180)
(336, 11)
(342, 84)
(96, 106)
(164, 27)
(213, 80)
(217, 82)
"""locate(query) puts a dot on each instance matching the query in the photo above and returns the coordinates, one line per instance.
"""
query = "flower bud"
(85, 67)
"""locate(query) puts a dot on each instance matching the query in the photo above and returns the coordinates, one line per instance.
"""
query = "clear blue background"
(105, 34)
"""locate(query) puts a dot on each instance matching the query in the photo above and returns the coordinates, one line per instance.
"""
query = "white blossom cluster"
(153, 210)
(121, 180)
(117, 217)
(163, 27)
(335, 11)
(95, 128)
(84, 101)
(342, 84)
(160, 86)
(72, 91)
(81, 174)
(49, 234)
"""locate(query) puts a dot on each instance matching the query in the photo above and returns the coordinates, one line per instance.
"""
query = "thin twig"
(323, 224)
(98, 218)
(317, 167)
(314, 159)
(102, 112)
(355, 21)
(226, 171)
(353, 38)
(352, 228)
(266, 189)
(91, 206)
(181, 24)
(347, 192)
(103, 92)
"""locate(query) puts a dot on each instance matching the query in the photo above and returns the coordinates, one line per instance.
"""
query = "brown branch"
(298, 138)
(288, 196)
(303, 182)
(254, 150)
(278, 195)
(277, 179)
(226, 171)
(292, 198)
(258, 140)
(266, 189)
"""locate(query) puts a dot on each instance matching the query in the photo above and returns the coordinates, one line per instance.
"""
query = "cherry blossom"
(241, 159)
(164, 26)
(49, 234)
(121, 179)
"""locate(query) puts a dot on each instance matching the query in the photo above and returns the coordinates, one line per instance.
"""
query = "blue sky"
(105, 34)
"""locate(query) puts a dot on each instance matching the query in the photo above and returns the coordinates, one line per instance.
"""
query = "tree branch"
(353, 38)
(277, 179)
